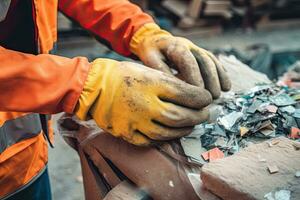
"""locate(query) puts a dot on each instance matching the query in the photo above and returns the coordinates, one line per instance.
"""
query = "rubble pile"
(240, 119)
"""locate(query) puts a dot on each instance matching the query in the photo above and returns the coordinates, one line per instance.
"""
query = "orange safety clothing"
(49, 84)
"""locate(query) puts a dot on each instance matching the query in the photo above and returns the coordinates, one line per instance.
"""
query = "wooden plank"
(194, 8)
(198, 32)
(176, 6)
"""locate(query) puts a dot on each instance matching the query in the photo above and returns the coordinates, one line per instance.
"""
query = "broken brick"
(212, 154)
(273, 169)
(215, 154)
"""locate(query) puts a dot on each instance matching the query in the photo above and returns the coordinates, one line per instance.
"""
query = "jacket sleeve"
(115, 21)
(43, 83)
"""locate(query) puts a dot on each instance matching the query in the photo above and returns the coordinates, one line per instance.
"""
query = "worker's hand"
(160, 50)
(140, 104)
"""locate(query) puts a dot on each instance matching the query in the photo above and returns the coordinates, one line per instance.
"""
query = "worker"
(128, 100)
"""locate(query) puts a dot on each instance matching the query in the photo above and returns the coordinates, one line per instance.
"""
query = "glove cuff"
(145, 31)
(92, 86)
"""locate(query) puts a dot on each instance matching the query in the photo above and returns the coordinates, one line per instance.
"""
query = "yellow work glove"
(140, 104)
(160, 50)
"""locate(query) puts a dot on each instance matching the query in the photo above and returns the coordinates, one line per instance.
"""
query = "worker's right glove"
(140, 104)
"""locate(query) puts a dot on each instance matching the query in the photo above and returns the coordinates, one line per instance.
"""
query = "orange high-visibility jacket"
(50, 84)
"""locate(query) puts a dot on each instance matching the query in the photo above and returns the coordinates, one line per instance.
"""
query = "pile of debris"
(240, 119)
(258, 14)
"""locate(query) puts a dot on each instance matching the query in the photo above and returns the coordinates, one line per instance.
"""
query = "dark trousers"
(38, 190)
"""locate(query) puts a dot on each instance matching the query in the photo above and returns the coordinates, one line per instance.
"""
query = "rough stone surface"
(244, 176)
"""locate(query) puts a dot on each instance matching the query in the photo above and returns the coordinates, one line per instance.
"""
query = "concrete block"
(246, 176)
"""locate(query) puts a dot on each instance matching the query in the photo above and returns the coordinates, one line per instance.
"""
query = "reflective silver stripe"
(15, 130)
(4, 6)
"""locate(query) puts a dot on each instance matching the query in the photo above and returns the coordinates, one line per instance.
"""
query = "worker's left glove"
(139, 104)
(160, 50)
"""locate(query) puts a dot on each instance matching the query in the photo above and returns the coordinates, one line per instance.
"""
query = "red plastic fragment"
(295, 133)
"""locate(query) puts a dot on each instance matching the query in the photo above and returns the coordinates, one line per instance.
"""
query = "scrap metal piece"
(215, 112)
(268, 130)
(257, 89)
(282, 100)
(233, 145)
(272, 108)
(197, 132)
(288, 109)
(234, 149)
(209, 126)
(297, 113)
(263, 107)
(240, 102)
(265, 127)
(192, 149)
(254, 106)
(289, 122)
(208, 140)
(228, 121)
(218, 131)
(256, 120)
(221, 142)
(231, 105)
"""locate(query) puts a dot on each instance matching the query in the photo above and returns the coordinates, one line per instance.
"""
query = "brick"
(215, 154)
(244, 176)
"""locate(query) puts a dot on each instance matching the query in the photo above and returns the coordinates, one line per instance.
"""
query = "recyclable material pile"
(266, 111)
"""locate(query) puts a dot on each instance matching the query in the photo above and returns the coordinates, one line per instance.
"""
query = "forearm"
(112, 20)
(43, 83)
